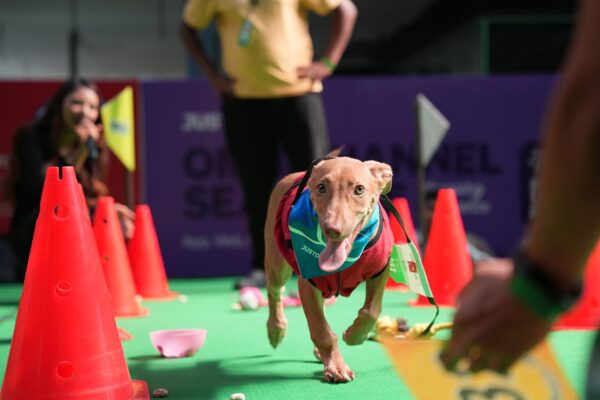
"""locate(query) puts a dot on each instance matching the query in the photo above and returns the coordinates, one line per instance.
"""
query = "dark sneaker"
(255, 278)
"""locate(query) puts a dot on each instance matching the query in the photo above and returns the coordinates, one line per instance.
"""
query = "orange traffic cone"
(586, 313)
(447, 261)
(146, 259)
(65, 342)
(115, 261)
(84, 204)
(401, 204)
(123, 334)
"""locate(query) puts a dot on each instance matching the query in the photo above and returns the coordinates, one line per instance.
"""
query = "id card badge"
(245, 33)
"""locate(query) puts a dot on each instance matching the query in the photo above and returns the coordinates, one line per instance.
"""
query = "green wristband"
(531, 285)
(326, 61)
(534, 297)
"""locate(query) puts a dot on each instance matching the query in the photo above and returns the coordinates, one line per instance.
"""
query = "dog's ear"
(382, 174)
(335, 152)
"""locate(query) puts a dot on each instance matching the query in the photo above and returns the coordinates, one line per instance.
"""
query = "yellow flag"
(119, 129)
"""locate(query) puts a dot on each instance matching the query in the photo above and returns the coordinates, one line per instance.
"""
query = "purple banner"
(487, 157)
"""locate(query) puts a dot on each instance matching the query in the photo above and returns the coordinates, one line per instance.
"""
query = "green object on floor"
(236, 356)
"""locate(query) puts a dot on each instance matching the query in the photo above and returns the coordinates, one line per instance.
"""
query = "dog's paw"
(276, 331)
(360, 329)
(354, 337)
(317, 354)
(338, 373)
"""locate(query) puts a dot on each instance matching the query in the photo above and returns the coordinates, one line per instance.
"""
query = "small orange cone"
(401, 204)
(586, 313)
(123, 334)
(115, 261)
(146, 259)
(447, 261)
(65, 342)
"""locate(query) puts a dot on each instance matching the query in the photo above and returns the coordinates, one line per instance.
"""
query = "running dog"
(327, 225)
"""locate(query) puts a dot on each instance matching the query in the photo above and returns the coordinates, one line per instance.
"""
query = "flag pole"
(130, 189)
(420, 172)
(430, 128)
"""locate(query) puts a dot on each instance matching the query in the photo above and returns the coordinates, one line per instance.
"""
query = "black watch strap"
(532, 286)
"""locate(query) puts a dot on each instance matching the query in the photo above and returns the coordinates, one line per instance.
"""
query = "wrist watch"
(532, 286)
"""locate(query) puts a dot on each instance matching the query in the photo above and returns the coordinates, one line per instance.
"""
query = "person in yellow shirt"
(270, 88)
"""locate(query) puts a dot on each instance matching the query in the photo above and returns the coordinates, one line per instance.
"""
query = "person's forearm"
(344, 17)
(566, 225)
(196, 50)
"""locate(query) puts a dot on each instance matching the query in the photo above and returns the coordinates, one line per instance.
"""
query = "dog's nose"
(333, 233)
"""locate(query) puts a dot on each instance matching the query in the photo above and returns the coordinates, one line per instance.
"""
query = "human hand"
(492, 328)
(316, 70)
(88, 129)
(221, 84)
(127, 218)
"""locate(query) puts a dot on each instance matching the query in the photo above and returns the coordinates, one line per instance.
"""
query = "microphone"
(92, 148)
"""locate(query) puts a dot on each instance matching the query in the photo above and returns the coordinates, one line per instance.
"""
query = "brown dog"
(344, 193)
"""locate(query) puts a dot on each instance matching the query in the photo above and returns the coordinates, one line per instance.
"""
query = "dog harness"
(372, 257)
(308, 240)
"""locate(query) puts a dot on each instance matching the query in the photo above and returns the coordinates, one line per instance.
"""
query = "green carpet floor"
(237, 357)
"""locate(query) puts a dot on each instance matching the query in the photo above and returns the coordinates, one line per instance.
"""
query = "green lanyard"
(246, 28)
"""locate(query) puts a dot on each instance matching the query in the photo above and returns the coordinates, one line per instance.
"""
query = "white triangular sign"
(432, 126)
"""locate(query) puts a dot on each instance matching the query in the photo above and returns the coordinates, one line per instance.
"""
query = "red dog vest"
(372, 261)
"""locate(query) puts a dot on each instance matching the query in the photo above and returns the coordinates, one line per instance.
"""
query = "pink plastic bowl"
(178, 342)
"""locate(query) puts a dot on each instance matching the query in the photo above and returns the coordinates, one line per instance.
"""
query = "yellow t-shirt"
(279, 42)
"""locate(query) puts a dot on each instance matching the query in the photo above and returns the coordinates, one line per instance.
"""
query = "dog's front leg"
(368, 314)
(334, 367)
(277, 275)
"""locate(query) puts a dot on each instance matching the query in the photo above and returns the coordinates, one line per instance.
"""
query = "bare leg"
(368, 314)
(334, 367)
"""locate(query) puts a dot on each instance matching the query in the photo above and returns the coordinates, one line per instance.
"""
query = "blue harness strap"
(308, 240)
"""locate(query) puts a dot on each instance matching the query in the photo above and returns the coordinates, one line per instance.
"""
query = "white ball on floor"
(182, 298)
(160, 392)
(237, 396)
(250, 298)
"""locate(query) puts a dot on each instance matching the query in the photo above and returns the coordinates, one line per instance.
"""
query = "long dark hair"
(49, 125)
(51, 117)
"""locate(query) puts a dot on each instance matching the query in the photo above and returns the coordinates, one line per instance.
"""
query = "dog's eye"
(321, 189)
(359, 190)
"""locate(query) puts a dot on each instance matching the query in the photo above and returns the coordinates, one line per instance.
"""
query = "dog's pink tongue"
(333, 256)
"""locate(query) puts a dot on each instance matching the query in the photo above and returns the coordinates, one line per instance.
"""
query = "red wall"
(19, 101)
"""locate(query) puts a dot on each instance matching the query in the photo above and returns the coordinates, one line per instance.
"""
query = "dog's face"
(345, 192)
